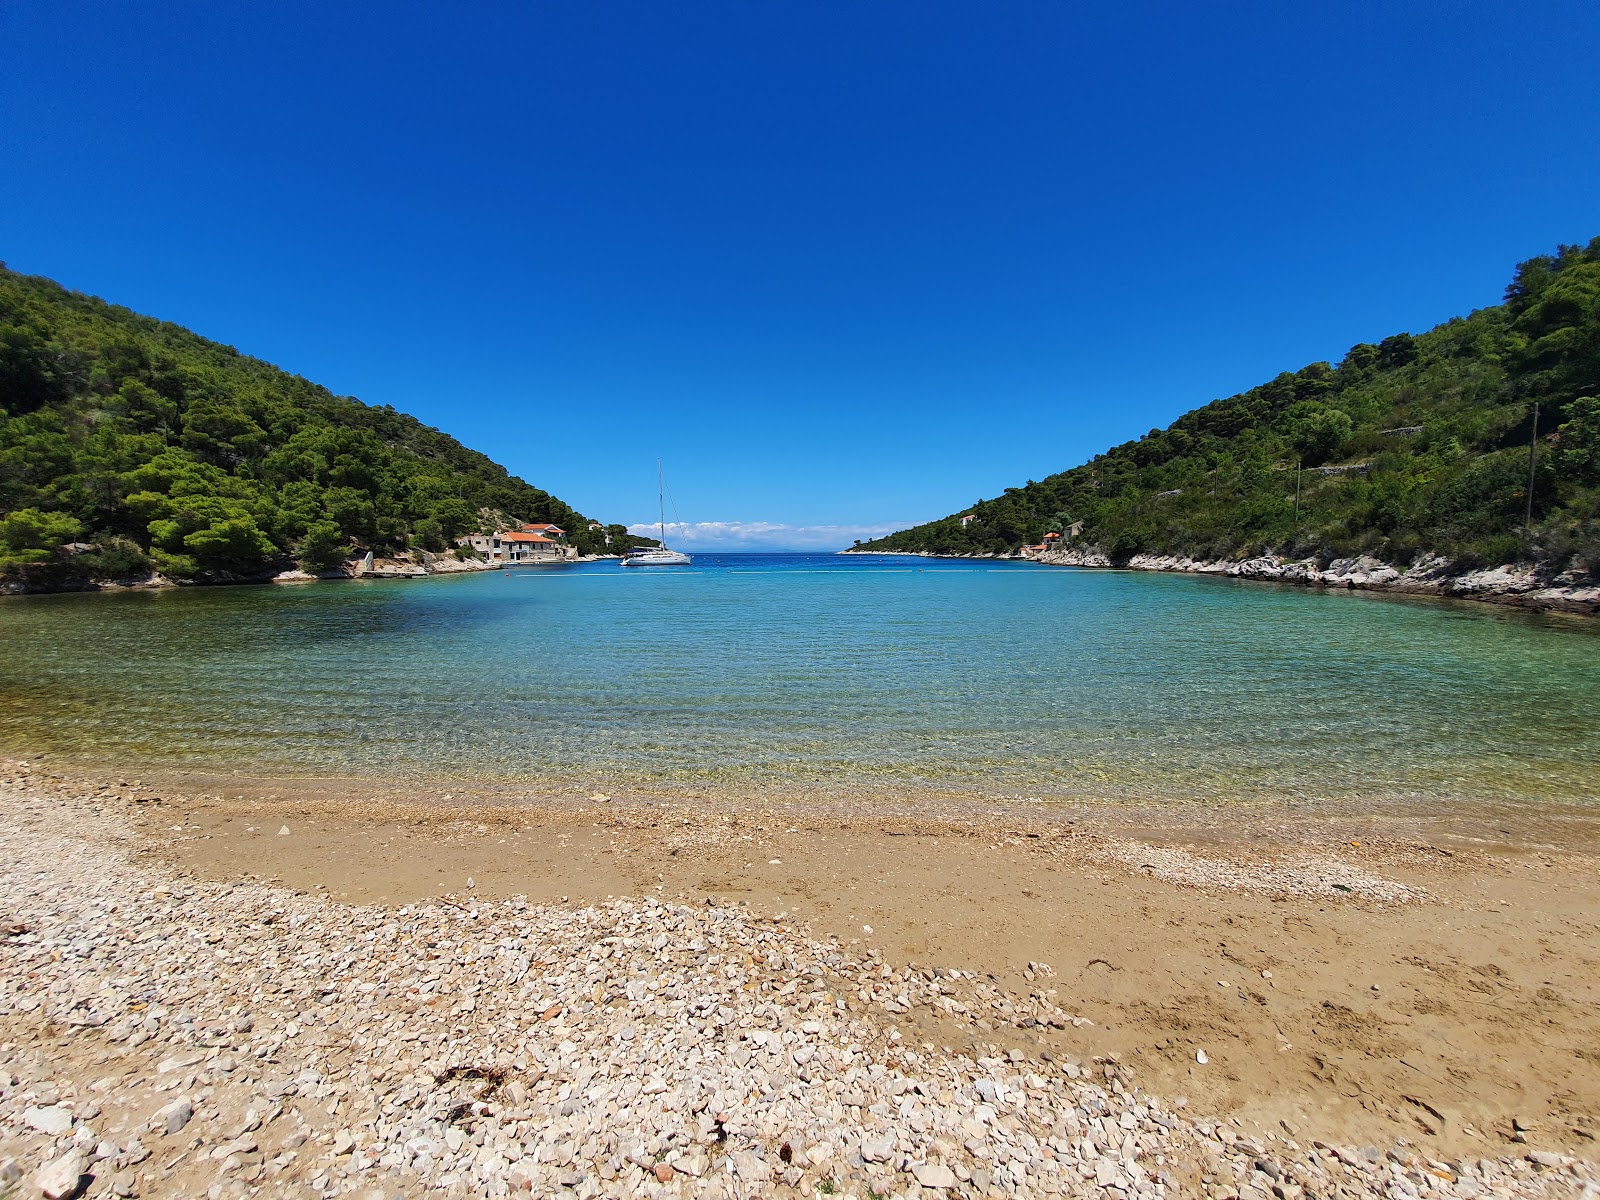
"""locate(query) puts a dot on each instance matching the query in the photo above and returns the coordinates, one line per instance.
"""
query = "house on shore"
(967, 519)
(1052, 541)
(531, 543)
(554, 532)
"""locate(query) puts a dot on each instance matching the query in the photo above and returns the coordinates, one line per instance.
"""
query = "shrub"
(174, 566)
(1403, 548)
(114, 558)
(234, 545)
(428, 534)
(323, 546)
(32, 537)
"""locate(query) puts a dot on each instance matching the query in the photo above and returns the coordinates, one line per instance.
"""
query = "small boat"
(657, 556)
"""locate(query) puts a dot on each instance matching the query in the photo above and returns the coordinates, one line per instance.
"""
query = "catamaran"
(657, 556)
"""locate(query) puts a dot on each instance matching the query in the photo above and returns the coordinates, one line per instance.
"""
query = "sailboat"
(657, 556)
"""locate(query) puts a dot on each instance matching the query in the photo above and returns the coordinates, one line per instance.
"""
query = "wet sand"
(1351, 978)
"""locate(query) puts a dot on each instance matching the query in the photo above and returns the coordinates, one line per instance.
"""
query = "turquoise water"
(999, 679)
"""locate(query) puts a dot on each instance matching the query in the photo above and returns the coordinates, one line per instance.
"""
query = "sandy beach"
(229, 986)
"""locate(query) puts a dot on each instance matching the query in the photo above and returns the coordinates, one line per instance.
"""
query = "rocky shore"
(1432, 575)
(162, 1035)
(403, 566)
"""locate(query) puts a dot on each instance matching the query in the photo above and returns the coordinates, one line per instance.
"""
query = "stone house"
(531, 543)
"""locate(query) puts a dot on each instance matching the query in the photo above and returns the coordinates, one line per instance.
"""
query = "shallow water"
(1003, 679)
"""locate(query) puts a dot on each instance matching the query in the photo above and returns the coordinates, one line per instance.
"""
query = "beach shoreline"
(1351, 995)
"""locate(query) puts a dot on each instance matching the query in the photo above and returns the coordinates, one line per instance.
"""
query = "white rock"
(174, 1116)
(53, 1120)
(934, 1175)
(1200, 1057)
(179, 1062)
(62, 1178)
(283, 831)
(878, 1149)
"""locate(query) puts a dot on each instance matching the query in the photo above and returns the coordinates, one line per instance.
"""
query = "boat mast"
(661, 501)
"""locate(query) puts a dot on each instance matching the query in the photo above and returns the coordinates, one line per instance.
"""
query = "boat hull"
(657, 558)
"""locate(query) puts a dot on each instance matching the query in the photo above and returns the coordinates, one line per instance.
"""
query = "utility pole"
(1533, 451)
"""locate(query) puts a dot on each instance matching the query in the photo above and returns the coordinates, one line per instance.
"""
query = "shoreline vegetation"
(1466, 452)
(218, 991)
(1515, 584)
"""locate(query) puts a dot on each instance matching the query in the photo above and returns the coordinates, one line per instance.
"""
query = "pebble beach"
(162, 1035)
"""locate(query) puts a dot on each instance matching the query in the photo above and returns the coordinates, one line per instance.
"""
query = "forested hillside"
(1414, 445)
(127, 442)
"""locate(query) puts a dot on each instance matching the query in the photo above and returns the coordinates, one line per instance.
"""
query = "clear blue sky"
(846, 265)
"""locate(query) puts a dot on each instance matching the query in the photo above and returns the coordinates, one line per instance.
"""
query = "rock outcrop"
(1527, 587)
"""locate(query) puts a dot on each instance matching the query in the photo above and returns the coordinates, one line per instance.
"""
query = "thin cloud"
(760, 535)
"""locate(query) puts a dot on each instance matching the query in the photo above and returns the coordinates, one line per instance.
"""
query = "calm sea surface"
(1000, 679)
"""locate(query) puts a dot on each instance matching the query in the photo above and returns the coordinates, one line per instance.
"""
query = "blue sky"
(845, 267)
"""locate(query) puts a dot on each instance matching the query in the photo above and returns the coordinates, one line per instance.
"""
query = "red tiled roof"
(522, 537)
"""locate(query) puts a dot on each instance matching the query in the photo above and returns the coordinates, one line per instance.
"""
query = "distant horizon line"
(764, 536)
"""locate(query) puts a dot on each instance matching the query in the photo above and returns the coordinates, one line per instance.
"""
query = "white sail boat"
(657, 556)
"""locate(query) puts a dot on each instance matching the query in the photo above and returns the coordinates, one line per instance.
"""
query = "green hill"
(149, 446)
(1414, 445)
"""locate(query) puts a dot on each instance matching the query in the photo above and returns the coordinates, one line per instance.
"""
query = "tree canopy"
(147, 445)
(1413, 445)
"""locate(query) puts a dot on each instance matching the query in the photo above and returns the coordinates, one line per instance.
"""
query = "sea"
(822, 674)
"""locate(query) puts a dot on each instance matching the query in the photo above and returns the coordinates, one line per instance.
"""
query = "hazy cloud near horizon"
(761, 535)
